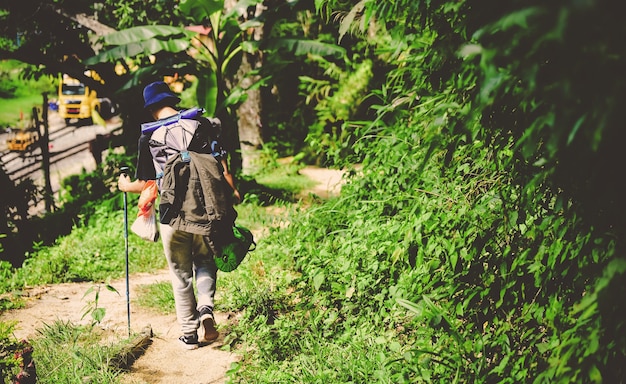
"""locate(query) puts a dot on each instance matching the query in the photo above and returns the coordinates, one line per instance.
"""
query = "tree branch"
(88, 22)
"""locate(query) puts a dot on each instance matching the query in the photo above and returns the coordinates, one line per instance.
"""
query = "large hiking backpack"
(195, 196)
(185, 174)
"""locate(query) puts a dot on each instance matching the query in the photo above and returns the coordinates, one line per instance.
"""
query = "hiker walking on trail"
(188, 250)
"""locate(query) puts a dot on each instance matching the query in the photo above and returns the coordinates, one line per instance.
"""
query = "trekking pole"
(124, 171)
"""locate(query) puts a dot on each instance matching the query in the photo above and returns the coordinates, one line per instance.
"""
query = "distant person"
(188, 255)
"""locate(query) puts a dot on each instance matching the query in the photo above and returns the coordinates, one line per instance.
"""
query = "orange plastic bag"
(147, 198)
(145, 226)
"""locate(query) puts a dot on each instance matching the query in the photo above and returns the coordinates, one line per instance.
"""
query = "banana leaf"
(148, 47)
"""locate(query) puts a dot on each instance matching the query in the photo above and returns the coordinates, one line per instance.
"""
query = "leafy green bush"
(10, 359)
(336, 101)
(483, 235)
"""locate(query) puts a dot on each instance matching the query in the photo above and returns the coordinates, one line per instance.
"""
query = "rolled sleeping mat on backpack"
(190, 113)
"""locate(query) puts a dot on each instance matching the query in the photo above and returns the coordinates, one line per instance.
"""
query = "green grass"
(92, 253)
(67, 353)
(21, 95)
(158, 296)
(293, 183)
(10, 110)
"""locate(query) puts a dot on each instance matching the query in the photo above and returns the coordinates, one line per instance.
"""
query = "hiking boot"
(189, 341)
(207, 323)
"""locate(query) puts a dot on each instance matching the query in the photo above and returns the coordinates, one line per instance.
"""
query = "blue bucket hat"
(158, 91)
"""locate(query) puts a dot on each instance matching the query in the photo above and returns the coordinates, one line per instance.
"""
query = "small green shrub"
(13, 354)
(67, 353)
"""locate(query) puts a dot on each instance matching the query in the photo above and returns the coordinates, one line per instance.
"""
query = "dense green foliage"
(483, 240)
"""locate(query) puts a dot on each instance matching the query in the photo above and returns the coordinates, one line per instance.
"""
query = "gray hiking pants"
(187, 256)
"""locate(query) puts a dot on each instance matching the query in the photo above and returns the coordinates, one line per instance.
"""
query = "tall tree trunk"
(249, 117)
(249, 124)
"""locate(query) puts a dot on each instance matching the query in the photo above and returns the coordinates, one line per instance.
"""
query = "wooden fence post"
(45, 156)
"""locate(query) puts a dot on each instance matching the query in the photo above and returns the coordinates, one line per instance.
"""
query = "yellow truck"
(22, 140)
(76, 100)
